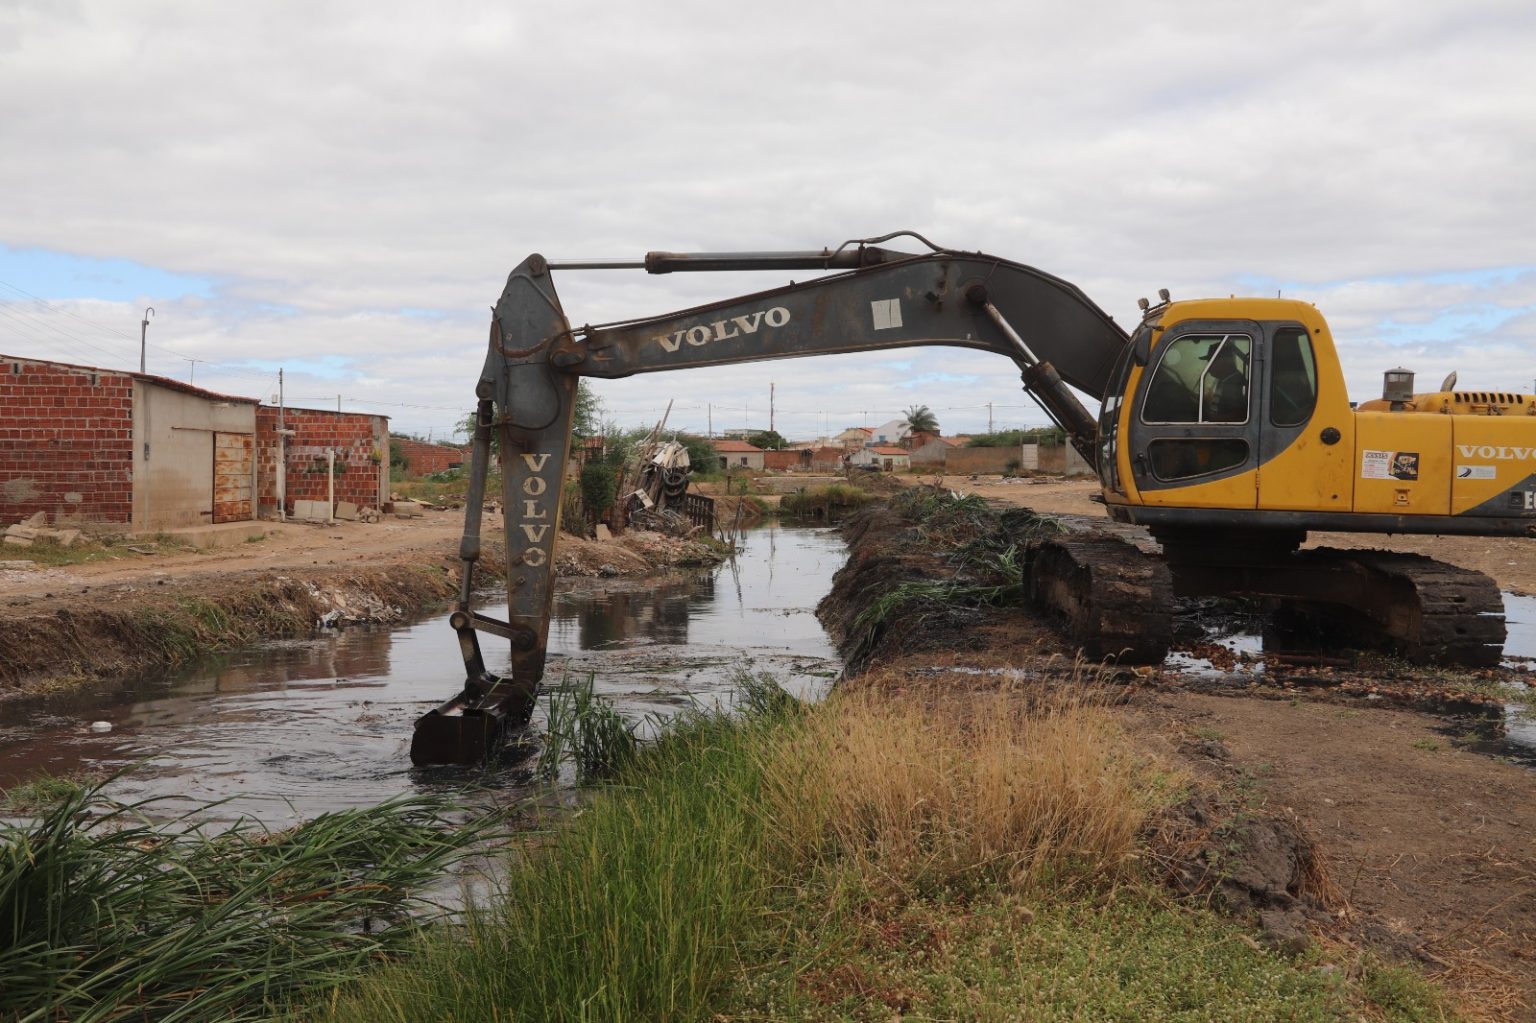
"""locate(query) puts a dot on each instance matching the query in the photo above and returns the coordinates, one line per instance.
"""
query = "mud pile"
(930, 572)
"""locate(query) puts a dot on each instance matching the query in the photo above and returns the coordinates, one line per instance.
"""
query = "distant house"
(932, 453)
(587, 449)
(855, 437)
(738, 454)
(889, 434)
(423, 458)
(788, 459)
(294, 462)
(887, 458)
(828, 459)
(918, 438)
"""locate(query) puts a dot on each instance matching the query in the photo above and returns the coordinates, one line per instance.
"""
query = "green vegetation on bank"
(48, 551)
(43, 791)
(988, 550)
(862, 859)
(1012, 438)
(824, 501)
(105, 915)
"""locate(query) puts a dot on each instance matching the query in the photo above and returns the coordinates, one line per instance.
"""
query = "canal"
(287, 730)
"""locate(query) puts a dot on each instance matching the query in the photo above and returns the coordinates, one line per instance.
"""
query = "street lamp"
(144, 329)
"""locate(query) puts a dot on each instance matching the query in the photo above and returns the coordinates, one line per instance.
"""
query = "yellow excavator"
(1224, 436)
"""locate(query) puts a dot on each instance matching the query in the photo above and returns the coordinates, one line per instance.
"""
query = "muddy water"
(284, 731)
(1512, 736)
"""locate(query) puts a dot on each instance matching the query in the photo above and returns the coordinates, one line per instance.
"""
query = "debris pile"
(34, 528)
(665, 521)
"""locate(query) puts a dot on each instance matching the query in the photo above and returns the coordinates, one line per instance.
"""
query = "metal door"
(232, 458)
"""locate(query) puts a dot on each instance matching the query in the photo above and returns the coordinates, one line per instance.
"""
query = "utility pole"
(192, 369)
(711, 414)
(143, 330)
(770, 406)
(338, 403)
(989, 417)
(282, 455)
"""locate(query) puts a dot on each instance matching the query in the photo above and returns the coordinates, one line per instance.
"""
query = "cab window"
(1202, 378)
(1177, 458)
(1293, 378)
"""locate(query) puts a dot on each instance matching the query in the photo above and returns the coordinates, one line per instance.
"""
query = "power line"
(465, 408)
(54, 307)
(34, 323)
(66, 312)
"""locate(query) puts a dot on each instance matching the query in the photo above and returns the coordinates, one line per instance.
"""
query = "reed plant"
(106, 915)
(585, 732)
(632, 911)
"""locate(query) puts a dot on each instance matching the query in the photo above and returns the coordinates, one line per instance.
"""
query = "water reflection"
(287, 730)
(652, 612)
(1511, 734)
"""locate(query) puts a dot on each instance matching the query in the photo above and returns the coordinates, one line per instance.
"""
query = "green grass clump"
(584, 731)
(47, 790)
(1132, 955)
(632, 912)
(48, 551)
(107, 916)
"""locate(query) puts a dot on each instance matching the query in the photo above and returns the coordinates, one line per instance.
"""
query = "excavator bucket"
(470, 728)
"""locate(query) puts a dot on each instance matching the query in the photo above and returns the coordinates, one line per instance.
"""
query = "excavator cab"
(1235, 405)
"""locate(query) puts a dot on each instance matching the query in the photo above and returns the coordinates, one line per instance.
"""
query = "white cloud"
(350, 160)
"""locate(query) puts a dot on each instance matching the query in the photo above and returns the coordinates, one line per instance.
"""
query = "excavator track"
(1117, 600)
(1427, 610)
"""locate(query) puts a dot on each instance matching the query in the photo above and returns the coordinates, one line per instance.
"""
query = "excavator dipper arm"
(882, 300)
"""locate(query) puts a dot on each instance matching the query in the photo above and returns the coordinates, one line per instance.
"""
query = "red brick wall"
(61, 434)
(785, 460)
(423, 458)
(963, 461)
(359, 465)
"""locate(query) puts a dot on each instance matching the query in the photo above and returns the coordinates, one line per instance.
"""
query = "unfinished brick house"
(423, 458)
(360, 441)
(136, 453)
(94, 447)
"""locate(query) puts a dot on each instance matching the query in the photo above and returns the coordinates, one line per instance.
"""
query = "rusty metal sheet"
(232, 460)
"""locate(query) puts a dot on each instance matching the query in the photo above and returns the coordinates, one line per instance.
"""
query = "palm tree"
(920, 419)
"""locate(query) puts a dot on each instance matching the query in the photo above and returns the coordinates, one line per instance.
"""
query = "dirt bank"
(1363, 824)
(157, 605)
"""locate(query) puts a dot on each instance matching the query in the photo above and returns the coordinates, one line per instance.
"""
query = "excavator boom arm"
(882, 300)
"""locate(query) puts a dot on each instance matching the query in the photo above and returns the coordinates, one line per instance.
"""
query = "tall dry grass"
(991, 787)
(715, 845)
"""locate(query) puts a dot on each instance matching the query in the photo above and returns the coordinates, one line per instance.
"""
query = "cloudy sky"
(339, 189)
